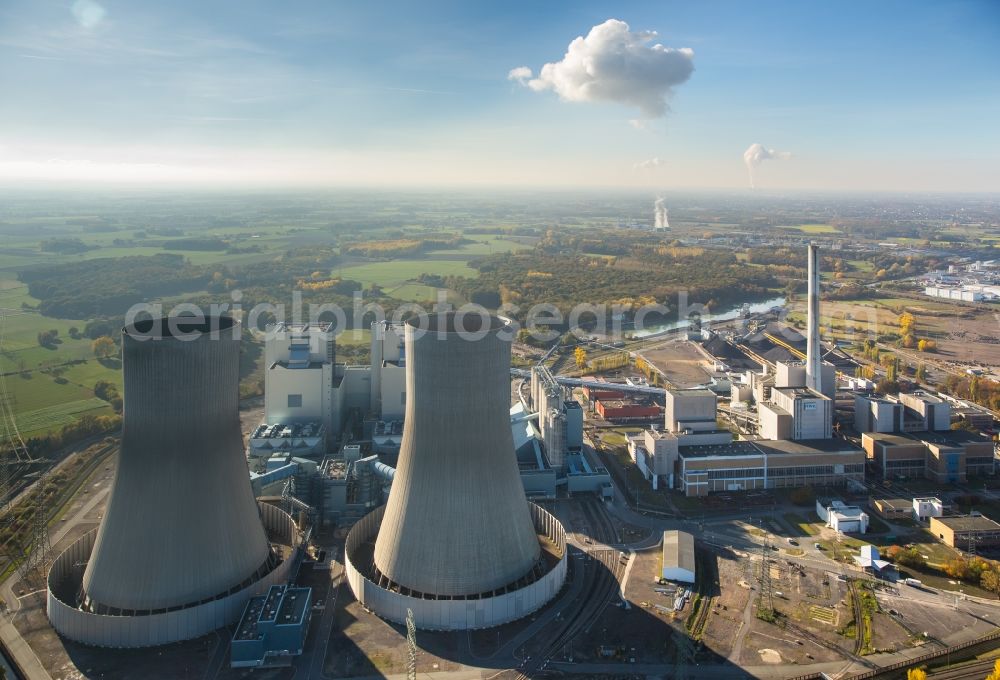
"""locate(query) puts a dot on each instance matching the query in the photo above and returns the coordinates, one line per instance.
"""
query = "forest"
(711, 277)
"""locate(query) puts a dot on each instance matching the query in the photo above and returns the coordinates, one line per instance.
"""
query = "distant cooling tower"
(182, 536)
(457, 542)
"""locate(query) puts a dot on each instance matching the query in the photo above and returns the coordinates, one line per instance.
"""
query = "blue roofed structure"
(272, 629)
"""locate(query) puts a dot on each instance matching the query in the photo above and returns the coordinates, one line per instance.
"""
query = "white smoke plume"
(757, 154)
(614, 64)
(660, 220)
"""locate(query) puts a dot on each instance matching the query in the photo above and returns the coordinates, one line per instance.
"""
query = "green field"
(814, 228)
(356, 337)
(397, 272)
(413, 292)
(483, 245)
(39, 421)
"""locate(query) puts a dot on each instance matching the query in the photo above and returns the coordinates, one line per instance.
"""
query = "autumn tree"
(104, 347)
(916, 674)
(995, 674)
(989, 579)
(580, 354)
(906, 324)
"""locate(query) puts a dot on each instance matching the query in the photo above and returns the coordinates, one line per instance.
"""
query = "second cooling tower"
(457, 542)
(457, 521)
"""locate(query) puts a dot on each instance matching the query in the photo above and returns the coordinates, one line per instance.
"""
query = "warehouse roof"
(678, 550)
(964, 523)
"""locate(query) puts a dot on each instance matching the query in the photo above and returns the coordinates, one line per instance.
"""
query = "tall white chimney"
(814, 358)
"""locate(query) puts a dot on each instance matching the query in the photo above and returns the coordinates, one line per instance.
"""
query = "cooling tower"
(181, 525)
(814, 353)
(457, 522)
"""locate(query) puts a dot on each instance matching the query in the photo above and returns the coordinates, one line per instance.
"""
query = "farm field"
(397, 272)
(814, 228)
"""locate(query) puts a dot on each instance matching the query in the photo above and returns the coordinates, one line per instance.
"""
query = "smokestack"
(814, 359)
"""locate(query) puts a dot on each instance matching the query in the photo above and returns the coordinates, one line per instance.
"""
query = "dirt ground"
(681, 362)
(363, 644)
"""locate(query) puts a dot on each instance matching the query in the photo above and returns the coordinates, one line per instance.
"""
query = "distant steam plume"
(758, 153)
(660, 214)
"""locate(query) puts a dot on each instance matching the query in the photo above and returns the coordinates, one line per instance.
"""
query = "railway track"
(602, 528)
(975, 670)
(601, 573)
(859, 623)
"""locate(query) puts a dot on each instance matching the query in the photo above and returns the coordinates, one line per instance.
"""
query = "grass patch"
(54, 417)
(799, 522)
(359, 336)
(395, 273)
(414, 292)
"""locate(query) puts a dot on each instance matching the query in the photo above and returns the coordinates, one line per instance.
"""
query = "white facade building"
(925, 508)
(846, 519)
(298, 377)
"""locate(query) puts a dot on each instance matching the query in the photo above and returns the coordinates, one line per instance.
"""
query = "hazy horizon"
(898, 96)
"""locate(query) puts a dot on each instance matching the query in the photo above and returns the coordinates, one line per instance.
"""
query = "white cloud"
(521, 74)
(614, 64)
(649, 164)
(757, 154)
(88, 13)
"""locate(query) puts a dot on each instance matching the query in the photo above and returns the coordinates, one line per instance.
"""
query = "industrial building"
(796, 413)
(893, 508)
(183, 544)
(679, 563)
(696, 456)
(762, 464)
(273, 628)
(627, 410)
(843, 518)
(388, 371)
(966, 531)
(457, 543)
(917, 411)
(305, 386)
(947, 457)
(959, 293)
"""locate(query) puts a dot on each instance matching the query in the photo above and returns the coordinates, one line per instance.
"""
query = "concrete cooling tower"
(182, 544)
(457, 542)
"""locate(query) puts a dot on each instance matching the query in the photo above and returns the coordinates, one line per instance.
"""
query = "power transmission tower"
(411, 646)
(37, 547)
(765, 598)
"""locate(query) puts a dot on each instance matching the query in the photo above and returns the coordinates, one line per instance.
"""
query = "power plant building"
(183, 543)
(457, 542)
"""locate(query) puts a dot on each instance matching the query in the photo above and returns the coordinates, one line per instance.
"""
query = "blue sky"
(862, 95)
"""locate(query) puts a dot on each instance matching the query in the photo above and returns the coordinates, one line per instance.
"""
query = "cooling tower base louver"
(150, 628)
(435, 612)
